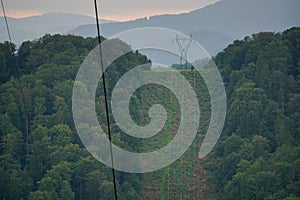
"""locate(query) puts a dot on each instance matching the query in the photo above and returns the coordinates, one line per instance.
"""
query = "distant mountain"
(33, 27)
(217, 25)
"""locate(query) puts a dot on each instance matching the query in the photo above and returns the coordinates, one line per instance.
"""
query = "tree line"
(257, 156)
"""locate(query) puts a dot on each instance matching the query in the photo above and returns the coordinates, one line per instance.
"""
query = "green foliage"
(7, 61)
(257, 157)
(51, 163)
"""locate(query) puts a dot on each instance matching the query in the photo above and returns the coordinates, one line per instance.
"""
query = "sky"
(118, 10)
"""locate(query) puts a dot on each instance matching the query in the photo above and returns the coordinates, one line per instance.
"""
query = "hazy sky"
(120, 10)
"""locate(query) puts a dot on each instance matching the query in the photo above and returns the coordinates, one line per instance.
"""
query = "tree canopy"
(257, 156)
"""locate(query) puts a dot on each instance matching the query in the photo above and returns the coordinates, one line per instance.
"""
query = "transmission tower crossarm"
(184, 46)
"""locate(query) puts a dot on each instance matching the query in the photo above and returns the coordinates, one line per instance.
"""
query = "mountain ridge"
(32, 27)
(230, 19)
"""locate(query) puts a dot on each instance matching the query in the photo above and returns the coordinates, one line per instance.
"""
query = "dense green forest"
(257, 156)
(50, 162)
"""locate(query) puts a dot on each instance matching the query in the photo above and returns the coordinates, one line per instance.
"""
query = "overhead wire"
(106, 99)
(104, 87)
(18, 74)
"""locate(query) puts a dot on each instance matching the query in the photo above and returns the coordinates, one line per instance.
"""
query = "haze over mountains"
(216, 25)
(33, 27)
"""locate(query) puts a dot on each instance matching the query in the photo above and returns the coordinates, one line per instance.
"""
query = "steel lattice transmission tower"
(183, 45)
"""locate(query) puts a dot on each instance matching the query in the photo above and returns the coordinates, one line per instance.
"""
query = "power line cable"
(106, 101)
(103, 79)
(18, 75)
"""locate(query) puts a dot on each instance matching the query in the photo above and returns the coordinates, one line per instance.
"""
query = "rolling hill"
(33, 27)
(217, 25)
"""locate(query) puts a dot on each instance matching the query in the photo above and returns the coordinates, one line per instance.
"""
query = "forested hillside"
(50, 162)
(257, 156)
